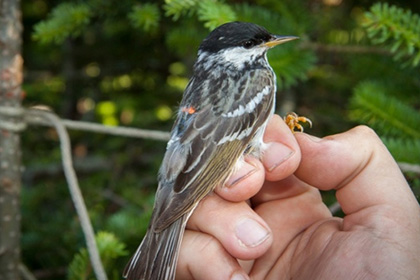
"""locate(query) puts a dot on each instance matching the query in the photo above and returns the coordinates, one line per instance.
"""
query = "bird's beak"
(277, 40)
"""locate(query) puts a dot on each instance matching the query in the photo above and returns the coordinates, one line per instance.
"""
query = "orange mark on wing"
(189, 110)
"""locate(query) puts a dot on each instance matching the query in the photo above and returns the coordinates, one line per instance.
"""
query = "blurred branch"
(26, 273)
(344, 48)
(116, 199)
(85, 165)
(334, 208)
(99, 128)
(407, 167)
(51, 273)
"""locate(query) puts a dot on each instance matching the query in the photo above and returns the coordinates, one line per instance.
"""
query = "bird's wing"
(210, 134)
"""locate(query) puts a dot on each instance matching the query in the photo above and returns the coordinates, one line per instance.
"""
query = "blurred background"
(126, 63)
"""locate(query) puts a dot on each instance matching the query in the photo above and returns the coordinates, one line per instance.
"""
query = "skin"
(271, 216)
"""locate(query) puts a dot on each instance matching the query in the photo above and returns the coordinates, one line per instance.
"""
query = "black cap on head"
(235, 34)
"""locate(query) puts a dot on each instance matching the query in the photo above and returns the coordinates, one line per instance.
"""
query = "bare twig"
(113, 130)
(75, 192)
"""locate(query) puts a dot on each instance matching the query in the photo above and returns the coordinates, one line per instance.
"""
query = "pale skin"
(271, 216)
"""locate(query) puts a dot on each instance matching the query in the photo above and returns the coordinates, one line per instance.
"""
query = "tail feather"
(157, 255)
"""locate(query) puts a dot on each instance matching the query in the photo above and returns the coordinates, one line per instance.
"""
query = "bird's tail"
(157, 255)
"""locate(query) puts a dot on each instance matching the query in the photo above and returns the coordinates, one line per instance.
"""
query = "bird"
(221, 118)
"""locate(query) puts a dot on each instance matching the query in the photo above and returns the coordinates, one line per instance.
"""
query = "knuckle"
(366, 132)
(367, 135)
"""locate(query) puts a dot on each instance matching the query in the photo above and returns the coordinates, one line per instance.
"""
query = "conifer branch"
(213, 13)
(66, 20)
(178, 8)
(145, 16)
(403, 150)
(397, 29)
(110, 248)
(371, 104)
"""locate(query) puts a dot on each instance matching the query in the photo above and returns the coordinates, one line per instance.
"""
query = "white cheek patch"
(239, 56)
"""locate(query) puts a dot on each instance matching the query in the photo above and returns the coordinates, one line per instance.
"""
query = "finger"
(244, 183)
(280, 159)
(203, 257)
(281, 190)
(282, 154)
(289, 207)
(358, 166)
(236, 226)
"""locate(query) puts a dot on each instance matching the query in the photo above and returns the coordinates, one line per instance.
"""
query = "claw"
(293, 121)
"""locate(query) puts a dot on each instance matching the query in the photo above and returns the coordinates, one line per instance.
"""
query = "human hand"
(271, 214)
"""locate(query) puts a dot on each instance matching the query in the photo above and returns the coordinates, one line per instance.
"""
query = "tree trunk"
(10, 126)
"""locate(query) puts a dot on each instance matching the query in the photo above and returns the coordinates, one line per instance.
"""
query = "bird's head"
(239, 43)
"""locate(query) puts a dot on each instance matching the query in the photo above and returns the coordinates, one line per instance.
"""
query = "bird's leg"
(293, 121)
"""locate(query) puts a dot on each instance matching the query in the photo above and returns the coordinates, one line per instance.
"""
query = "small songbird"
(222, 117)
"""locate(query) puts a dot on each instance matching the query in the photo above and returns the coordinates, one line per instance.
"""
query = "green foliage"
(213, 13)
(397, 122)
(260, 15)
(398, 29)
(66, 20)
(371, 104)
(131, 224)
(403, 150)
(291, 65)
(292, 17)
(381, 104)
(145, 17)
(110, 248)
(176, 38)
(256, 14)
(178, 8)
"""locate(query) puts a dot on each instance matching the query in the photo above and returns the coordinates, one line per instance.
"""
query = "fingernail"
(239, 276)
(275, 155)
(251, 233)
(246, 170)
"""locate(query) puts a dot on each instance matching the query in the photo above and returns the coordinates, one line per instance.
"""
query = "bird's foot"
(293, 121)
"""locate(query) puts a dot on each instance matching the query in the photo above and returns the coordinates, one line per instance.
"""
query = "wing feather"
(208, 143)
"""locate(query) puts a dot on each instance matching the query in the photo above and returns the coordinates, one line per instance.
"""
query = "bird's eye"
(248, 44)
